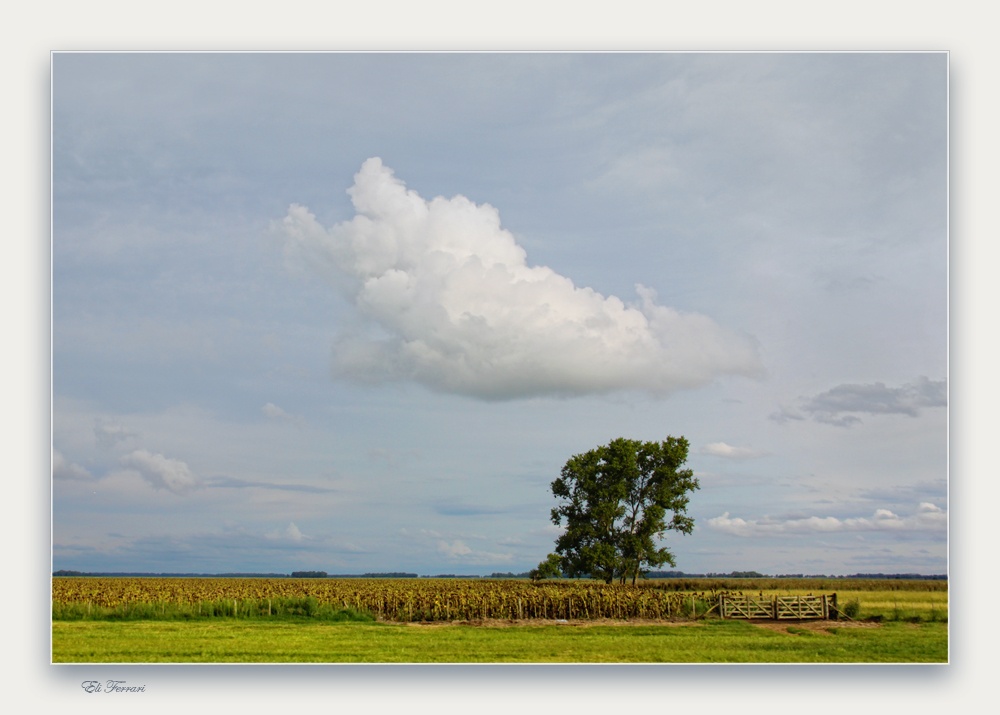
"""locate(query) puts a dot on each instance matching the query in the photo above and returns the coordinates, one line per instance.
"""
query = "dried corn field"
(391, 600)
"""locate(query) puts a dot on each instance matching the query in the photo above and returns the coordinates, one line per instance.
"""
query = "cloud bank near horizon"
(928, 518)
(455, 306)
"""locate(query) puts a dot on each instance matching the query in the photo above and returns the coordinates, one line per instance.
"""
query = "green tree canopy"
(550, 568)
(615, 501)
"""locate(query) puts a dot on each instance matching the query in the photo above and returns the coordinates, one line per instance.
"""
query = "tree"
(615, 500)
(550, 568)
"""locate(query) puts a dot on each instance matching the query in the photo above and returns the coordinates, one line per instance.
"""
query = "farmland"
(390, 600)
(409, 600)
(456, 620)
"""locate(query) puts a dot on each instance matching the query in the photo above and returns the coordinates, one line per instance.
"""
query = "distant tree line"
(496, 575)
(509, 574)
(453, 575)
(139, 574)
(385, 574)
(294, 574)
(916, 576)
(755, 574)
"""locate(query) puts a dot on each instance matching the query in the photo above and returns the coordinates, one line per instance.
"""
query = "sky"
(353, 312)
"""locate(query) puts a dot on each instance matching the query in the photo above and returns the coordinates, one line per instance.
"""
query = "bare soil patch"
(780, 626)
(574, 623)
(814, 626)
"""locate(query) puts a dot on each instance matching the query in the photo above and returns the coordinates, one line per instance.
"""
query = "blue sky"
(353, 312)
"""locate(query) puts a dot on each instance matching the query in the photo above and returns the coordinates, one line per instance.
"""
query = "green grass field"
(233, 641)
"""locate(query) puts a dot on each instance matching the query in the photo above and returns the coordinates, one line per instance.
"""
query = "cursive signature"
(111, 686)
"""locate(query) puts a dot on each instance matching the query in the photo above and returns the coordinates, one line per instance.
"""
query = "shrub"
(351, 614)
(310, 605)
(852, 608)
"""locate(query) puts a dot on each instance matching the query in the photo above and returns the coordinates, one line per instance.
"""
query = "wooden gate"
(799, 607)
(779, 607)
(745, 607)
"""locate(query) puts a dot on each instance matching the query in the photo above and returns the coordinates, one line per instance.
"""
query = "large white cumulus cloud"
(460, 310)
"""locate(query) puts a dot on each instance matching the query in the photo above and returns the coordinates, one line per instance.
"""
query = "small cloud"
(64, 469)
(721, 449)
(223, 482)
(274, 412)
(786, 414)
(837, 420)
(289, 533)
(109, 434)
(841, 405)
(458, 550)
(455, 507)
(454, 548)
(170, 474)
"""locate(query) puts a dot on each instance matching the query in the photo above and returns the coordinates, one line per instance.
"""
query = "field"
(117, 620)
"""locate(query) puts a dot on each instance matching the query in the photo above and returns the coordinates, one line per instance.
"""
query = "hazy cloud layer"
(236, 483)
(842, 404)
(460, 309)
(927, 518)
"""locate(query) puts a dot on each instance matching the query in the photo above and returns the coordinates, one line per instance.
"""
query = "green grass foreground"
(233, 641)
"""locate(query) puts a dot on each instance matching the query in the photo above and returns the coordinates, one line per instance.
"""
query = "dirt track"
(781, 626)
(815, 626)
